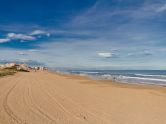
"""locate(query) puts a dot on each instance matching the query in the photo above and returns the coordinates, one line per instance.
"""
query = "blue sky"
(86, 34)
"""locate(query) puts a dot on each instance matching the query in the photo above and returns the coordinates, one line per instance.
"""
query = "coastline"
(138, 77)
(110, 82)
(45, 97)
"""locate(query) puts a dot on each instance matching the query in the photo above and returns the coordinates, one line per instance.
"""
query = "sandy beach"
(49, 98)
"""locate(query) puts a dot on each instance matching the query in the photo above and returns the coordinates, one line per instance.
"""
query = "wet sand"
(49, 98)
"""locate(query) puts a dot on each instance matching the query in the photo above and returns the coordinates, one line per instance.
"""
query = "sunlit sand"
(47, 98)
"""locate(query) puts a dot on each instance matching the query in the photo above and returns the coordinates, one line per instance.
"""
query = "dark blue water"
(152, 77)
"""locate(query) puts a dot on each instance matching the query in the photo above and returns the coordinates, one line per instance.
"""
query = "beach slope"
(48, 98)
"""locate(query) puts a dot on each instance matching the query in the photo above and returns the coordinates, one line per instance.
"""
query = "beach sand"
(50, 98)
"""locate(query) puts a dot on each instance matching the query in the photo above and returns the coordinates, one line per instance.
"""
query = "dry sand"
(47, 98)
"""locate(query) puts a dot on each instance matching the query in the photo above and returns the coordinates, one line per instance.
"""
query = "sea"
(142, 77)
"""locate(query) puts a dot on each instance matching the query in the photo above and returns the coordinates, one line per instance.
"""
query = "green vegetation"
(9, 71)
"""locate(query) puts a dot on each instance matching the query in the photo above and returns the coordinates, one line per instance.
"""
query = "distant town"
(21, 67)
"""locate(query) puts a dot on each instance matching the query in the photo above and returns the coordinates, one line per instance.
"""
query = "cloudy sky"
(102, 34)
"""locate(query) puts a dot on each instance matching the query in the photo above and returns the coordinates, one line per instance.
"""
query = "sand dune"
(47, 98)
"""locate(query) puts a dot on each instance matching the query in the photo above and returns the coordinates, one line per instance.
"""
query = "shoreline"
(102, 81)
(111, 82)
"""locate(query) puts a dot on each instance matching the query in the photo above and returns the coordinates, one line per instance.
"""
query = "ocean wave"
(86, 72)
(147, 75)
(141, 78)
(91, 72)
(106, 75)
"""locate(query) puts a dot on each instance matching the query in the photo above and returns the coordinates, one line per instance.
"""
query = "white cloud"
(20, 36)
(4, 40)
(161, 8)
(147, 53)
(105, 55)
(33, 50)
(48, 34)
(140, 53)
(115, 49)
(40, 32)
